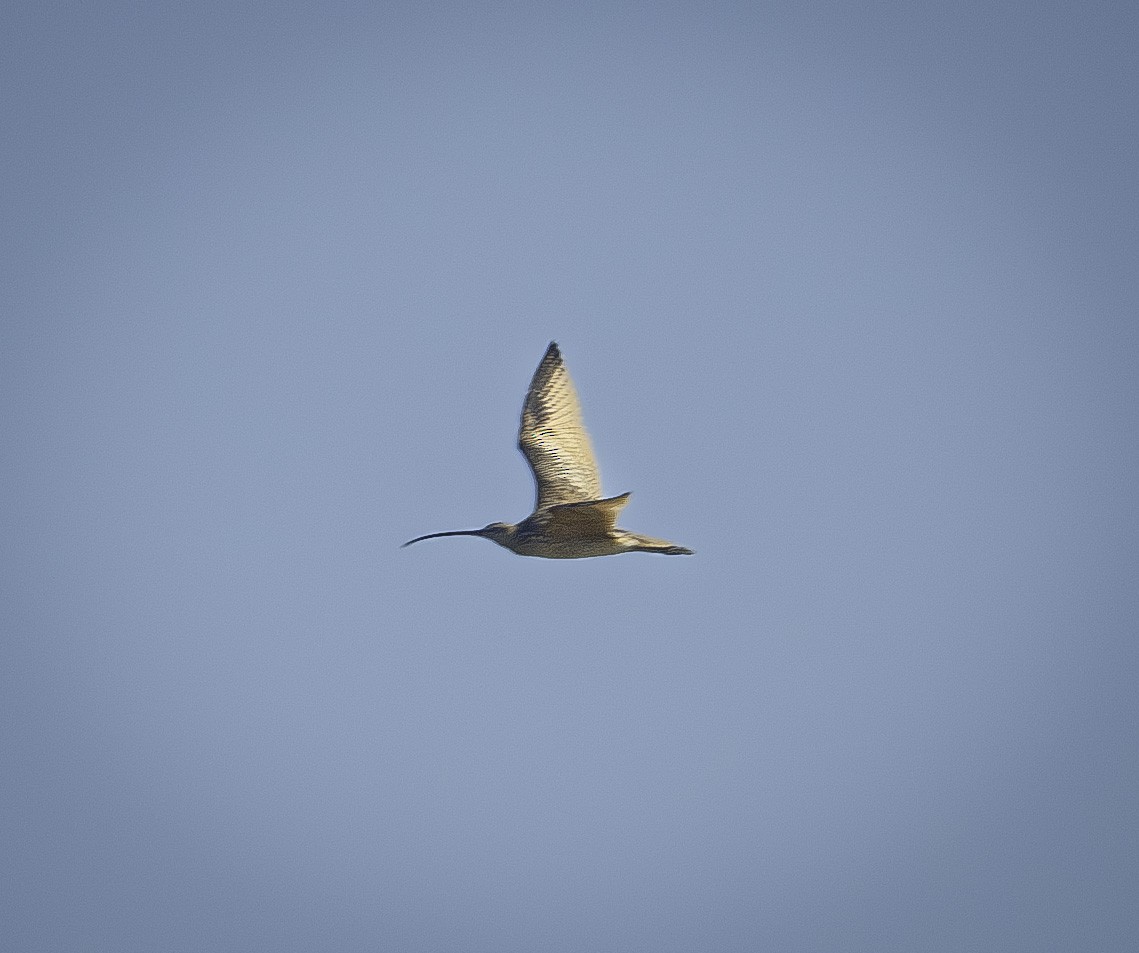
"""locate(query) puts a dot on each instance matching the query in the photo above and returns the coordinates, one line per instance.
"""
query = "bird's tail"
(647, 544)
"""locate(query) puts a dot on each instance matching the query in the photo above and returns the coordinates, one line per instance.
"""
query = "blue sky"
(849, 294)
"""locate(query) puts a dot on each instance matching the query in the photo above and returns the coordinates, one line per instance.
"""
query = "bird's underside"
(584, 528)
(570, 519)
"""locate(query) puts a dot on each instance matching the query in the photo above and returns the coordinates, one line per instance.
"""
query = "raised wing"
(553, 438)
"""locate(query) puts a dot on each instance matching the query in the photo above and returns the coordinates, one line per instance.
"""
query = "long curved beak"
(454, 532)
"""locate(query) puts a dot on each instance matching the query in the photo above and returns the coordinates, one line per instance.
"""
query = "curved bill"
(454, 532)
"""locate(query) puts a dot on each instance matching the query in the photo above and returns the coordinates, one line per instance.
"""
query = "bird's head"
(497, 531)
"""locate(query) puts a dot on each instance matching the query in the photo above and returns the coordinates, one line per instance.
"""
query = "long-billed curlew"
(570, 521)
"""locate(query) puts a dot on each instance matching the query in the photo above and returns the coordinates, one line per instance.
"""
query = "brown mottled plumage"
(570, 520)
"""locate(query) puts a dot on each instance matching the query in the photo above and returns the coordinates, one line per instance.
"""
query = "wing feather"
(553, 438)
(588, 519)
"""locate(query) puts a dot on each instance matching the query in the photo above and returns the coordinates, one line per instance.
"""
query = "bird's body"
(570, 520)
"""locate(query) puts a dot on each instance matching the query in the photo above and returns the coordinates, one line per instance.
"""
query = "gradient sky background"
(850, 293)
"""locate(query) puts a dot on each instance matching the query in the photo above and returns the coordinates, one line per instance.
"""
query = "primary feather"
(553, 438)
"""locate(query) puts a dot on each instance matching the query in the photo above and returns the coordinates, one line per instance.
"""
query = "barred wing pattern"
(553, 438)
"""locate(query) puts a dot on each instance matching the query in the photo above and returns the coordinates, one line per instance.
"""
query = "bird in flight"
(570, 519)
